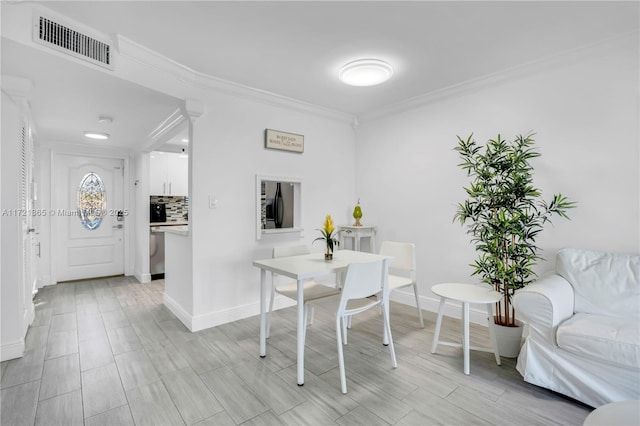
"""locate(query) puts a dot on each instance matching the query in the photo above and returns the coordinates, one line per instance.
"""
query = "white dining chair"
(361, 281)
(402, 270)
(312, 289)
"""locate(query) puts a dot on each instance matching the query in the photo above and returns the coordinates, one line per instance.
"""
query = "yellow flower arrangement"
(328, 236)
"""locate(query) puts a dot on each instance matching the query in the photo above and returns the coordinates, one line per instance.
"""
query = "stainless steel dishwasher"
(156, 252)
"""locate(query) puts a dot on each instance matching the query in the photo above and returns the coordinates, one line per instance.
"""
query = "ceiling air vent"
(65, 39)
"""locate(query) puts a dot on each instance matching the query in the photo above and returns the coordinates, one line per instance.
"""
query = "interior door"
(89, 217)
(29, 238)
(30, 221)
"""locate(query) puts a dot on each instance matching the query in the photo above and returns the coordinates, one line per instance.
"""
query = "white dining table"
(302, 268)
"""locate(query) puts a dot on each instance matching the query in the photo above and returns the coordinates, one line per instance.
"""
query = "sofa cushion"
(611, 339)
(604, 283)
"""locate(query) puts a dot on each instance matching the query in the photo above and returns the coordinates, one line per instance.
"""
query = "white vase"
(509, 339)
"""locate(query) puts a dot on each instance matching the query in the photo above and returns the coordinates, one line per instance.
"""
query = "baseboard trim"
(178, 311)
(12, 350)
(143, 278)
(213, 319)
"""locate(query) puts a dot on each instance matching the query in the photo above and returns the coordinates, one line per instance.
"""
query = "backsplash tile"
(177, 206)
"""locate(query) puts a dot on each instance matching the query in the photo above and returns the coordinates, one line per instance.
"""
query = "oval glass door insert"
(91, 201)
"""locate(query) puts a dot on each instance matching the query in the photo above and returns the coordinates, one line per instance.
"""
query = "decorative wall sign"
(275, 139)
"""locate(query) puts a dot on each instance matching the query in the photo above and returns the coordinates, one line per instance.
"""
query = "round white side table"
(465, 293)
(621, 413)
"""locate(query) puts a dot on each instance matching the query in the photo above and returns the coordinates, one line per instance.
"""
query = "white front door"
(89, 217)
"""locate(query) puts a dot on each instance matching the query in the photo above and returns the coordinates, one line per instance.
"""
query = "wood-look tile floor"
(107, 352)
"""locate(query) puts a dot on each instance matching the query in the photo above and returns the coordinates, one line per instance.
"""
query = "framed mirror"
(278, 205)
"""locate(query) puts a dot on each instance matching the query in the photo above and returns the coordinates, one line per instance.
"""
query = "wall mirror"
(278, 205)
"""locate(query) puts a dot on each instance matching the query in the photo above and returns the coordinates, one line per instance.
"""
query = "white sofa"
(583, 337)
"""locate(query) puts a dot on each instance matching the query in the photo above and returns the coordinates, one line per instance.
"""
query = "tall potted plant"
(505, 214)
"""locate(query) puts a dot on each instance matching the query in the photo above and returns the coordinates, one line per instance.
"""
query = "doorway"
(88, 218)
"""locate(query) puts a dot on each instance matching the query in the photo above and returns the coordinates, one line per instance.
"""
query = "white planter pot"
(509, 339)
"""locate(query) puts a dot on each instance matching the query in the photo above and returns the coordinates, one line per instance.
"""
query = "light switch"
(213, 201)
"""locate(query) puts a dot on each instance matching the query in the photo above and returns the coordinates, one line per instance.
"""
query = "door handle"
(30, 230)
(118, 226)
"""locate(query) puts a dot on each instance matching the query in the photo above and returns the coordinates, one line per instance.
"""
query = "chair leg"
(345, 320)
(346, 324)
(310, 321)
(415, 291)
(436, 334)
(343, 377)
(387, 331)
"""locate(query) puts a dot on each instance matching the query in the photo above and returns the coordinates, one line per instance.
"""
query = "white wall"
(227, 153)
(584, 108)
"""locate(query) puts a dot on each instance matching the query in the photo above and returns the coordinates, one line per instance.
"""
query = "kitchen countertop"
(170, 223)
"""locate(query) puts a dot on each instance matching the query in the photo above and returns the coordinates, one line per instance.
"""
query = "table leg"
(465, 342)
(263, 313)
(356, 242)
(301, 330)
(436, 335)
(492, 337)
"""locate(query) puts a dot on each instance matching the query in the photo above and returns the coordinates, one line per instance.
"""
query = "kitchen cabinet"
(169, 174)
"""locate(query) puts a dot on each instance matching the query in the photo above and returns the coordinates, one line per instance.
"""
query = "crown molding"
(173, 120)
(517, 72)
(189, 78)
(139, 64)
(168, 128)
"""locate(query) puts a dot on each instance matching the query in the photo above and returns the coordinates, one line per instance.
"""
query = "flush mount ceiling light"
(97, 135)
(365, 72)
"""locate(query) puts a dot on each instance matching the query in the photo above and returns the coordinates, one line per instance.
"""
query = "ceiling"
(67, 100)
(295, 49)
